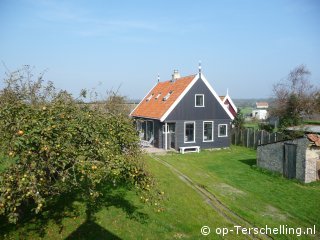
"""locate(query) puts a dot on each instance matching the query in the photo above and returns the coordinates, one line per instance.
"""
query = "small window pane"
(207, 131)
(223, 130)
(189, 132)
(199, 101)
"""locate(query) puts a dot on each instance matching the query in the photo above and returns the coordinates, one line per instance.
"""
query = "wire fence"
(252, 138)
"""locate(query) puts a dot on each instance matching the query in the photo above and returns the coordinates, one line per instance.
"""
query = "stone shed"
(298, 158)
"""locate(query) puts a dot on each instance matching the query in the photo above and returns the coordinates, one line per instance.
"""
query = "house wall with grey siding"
(212, 111)
(271, 157)
(186, 109)
(218, 142)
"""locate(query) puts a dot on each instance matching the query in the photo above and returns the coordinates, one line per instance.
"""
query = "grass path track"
(212, 200)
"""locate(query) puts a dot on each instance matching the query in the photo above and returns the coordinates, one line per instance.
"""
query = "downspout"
(165, 136)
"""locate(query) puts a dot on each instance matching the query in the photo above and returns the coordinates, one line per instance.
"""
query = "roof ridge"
(188, 76)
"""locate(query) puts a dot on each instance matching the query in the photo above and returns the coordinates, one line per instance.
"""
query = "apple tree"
(56, 145)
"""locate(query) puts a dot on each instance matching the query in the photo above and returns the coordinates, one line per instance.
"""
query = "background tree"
(56, 145)
(238, 121)
(294, 98)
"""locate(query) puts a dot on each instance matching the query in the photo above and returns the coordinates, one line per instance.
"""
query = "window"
(167, 96)
(149, 98)
(189, 132)
(163, 129)
(170, 128)
(208, 131)
(199, 100)
(222, 130)
(158, 96)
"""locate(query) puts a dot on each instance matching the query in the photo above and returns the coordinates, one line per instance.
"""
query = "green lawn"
(313, 122)
(259, 197)
(246, 110)
(123, 216)
(252, 124)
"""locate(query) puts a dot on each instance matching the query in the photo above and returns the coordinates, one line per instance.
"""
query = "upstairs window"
(167, 96)
(199, 100)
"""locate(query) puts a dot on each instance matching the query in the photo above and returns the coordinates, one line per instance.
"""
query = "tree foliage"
(58, 145)
(295, 98)
(238, 121)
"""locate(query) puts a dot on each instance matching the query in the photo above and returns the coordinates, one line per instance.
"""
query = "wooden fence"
(251, 138)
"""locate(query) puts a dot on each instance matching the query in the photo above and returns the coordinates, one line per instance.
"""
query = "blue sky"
(244, 46)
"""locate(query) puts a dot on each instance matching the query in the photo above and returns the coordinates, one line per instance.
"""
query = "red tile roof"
(152, 107)
(262, 104)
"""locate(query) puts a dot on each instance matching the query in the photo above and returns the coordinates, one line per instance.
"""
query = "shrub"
(59, 145)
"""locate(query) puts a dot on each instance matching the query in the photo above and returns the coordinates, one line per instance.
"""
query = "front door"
(290, 154)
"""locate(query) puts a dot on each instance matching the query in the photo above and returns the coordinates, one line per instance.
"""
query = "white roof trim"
(143, 99)
(164, 116)
(231, 102)
(216, 96)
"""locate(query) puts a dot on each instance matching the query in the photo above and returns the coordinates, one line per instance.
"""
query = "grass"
(252, 124)
(246, 110)
(258, 196)
(314, 122)
(121, 215)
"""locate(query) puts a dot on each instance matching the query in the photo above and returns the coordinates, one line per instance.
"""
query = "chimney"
(175, 75)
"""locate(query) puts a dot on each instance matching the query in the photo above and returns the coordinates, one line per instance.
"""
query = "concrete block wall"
(312, 160)
(271, 157)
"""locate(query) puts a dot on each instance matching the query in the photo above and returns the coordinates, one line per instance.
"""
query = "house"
(183, 112)
(262, 105)
(260, 112)
(229, 104)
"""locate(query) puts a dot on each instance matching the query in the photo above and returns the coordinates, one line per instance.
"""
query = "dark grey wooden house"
(182, 113)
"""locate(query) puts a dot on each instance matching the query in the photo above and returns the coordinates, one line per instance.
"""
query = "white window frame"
(204, 140)
(195, 100)
(149, 98)
(168, 130)
(159, 94)
(164, 128)
(194, 132)
(167, 96)
(219, 135)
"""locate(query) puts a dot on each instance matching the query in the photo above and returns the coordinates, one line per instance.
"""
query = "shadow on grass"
(250, 162)
(72, 205)
(91, 230)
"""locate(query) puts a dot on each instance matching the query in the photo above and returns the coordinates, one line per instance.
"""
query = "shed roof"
(314, 138)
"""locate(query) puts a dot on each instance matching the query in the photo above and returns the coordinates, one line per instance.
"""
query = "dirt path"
(212, 200)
